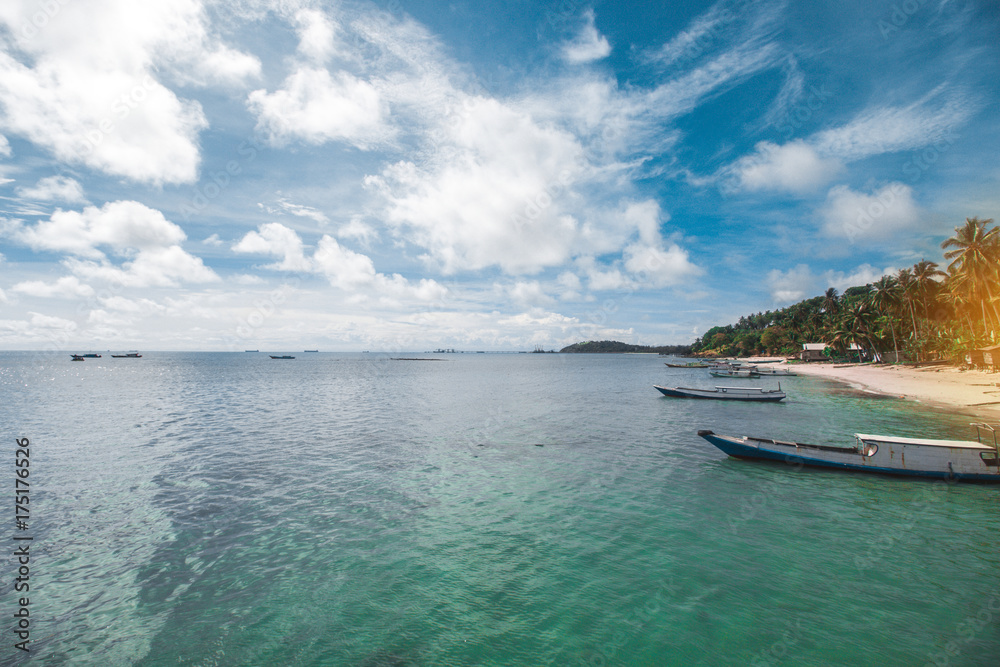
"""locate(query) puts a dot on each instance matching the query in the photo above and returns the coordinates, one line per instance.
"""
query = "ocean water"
(487, 509)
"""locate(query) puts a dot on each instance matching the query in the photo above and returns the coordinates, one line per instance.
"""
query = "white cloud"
(276, 240)
(119, 225)
(493, 194)
(67, 287)
(792, 285)
(794, 167)
(930, 120)
(55, 188)
(213, 240)
(588, 46)
(126, 228)
(857, 216)
(342, 267)
(317, 35)
(862, 275)
(315, 107)
(303, 211)
(85, 87)
(357, 229)
(656, 267)
(4, 146)
(528, 293)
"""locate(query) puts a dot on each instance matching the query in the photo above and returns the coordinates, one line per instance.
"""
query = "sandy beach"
(975, 393)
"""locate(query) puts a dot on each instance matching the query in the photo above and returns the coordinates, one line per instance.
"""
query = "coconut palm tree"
(975, 255)
(886, 298)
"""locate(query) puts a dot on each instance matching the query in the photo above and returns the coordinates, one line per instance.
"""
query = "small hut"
(991, 357)
(814, 352)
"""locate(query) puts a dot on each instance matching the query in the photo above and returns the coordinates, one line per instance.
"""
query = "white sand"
(975, 393)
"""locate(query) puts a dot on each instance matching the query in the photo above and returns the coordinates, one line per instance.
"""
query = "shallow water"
(347, 509)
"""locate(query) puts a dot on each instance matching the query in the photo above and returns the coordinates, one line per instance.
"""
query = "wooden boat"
(724, 393)
(735, 373)
(775, 371)
(913, 457)
(128, 355)
(281, 357)
(690, 364)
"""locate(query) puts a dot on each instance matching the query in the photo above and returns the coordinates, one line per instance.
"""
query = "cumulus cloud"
(494, 199)
(588, 46)
(859, 216)
(55, 188)
(315, 106)
(84, 86)
(794, 167)
(317, 35)
(862, 275)
(67, 287)
(342, 267)
(4, 146)
(126, 228)
(792, 285)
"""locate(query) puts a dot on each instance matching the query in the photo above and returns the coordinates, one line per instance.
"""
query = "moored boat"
(914, 457)
(734, 373)
(690, 364)
(784, 372)
(724, 393)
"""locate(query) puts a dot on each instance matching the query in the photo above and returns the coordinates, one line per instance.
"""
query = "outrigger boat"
(724, 393)
(913, 457)
(690, 364)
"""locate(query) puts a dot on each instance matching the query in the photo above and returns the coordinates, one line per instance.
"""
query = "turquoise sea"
(487, 509)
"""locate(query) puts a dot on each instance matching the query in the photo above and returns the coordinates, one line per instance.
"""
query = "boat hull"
(888, 458)
(722, 393)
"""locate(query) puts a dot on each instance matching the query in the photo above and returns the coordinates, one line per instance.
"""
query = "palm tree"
(975, 258)
(885, 298)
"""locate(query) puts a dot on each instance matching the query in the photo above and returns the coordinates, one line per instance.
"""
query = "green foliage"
(922, 311)
(614, 346)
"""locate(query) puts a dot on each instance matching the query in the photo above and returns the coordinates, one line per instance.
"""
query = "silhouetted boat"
(912, 457)
(310, 350)
(285, 356)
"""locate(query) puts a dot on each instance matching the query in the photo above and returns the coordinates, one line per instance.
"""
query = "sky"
(407, 175)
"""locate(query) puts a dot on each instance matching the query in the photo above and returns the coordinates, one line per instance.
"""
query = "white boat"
(724, 393)
(914, 457)
(734, 373)
(775, 371)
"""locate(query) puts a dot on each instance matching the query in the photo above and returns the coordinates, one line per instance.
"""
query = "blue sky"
(188, 174)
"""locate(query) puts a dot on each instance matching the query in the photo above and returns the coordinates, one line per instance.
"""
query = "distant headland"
(616, 347)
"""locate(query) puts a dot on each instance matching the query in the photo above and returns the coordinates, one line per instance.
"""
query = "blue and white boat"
(913, 457)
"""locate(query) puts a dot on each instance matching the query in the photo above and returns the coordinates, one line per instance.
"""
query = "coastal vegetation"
(614, 346)
(922, 312)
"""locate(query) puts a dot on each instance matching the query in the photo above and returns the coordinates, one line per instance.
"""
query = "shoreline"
(976, 393)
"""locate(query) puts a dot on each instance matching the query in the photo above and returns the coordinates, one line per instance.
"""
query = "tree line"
(922, 311)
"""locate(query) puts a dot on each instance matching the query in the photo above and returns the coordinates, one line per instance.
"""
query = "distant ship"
(128, 355)
(251, 350)
(281, 357)
(90, 355)
(310, 350)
